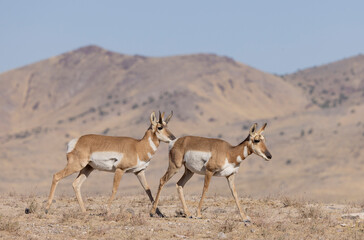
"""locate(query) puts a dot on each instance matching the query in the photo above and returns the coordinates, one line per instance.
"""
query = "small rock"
(353, 216)
(131, 211)
(179, 236)
(221, 235)
(219, 210)
(343, 224)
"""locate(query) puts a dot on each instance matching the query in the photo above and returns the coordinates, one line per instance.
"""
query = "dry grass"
(128, 218)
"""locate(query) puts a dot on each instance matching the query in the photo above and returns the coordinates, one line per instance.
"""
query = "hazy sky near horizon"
(273, 36)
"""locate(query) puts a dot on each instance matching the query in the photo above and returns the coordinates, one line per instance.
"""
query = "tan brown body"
(130, 148)
(210, 157)
(112, 154)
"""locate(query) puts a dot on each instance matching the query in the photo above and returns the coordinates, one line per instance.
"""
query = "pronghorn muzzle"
(268, 155)
(170, 135)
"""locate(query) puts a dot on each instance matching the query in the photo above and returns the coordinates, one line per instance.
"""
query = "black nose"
(269, 156)
(172, 137)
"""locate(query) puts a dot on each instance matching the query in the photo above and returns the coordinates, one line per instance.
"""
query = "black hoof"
(46, 211)
(27, 211)
(247, 222)
(160, 214)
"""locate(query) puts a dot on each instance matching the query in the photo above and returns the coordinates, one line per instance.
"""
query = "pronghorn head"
(257, 142)
(160, 128)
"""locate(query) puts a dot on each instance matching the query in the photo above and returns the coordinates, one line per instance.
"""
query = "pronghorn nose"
(269, 156)
(172, 137)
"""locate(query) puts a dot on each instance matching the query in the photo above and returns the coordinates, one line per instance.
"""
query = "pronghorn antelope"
(210, 157)
(113, 154)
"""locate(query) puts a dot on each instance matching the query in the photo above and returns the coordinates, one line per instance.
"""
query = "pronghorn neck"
(151, 139)
(243, 150)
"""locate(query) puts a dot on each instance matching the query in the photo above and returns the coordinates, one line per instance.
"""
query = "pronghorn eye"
(256, 140)
(160, 128)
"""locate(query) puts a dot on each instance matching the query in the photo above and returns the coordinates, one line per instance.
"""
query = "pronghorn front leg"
(143, 182)
(172, 170)
(231, 181)
(117, 177)
(208, 176)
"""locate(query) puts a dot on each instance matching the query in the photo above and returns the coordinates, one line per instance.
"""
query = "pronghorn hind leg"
(172, 170)
(117, 177)
(208, 176)
(144, 183)
(71, 168)
(180, 184)
(82, 176)
(231, 181)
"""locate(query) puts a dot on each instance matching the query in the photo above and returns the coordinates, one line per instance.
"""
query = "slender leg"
(71, 168)
(172, 169)
(208, 176)
(117, 177)
(231, 181)
(180, 184)
(82, 176)
(143, 182)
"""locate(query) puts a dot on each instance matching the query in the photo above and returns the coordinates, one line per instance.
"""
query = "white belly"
(105, 161)
(227, 169)
(196, 161)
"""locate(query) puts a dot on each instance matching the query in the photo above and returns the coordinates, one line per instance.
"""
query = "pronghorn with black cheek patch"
(210, 157)
(112, 154)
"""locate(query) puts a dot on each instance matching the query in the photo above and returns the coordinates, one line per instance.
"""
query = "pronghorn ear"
(169, 117)
(253, 128)
(262, 129)
(153, 118)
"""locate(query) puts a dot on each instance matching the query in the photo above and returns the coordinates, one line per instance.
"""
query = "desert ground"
(272, 218)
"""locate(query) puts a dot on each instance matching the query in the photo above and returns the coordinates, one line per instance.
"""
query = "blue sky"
(273, 36)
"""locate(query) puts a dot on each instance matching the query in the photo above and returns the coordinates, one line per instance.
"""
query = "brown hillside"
(92, 90)
(336, 84)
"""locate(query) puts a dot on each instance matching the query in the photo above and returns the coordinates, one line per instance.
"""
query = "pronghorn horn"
(169, 117)
(163, 115)
(252, 128)
(262, 128)
(153, 118)
(160, 118)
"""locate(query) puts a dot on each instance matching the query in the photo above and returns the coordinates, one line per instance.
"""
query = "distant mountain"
(335, 84)
(91, 84)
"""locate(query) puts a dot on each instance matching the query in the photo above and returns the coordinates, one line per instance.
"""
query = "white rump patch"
(151, 143)
(245, 151)
(141, 165)
(227, 169)
(105, 161)
(238, 159)
(171, 144)
(196, 161)
(71, 145)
